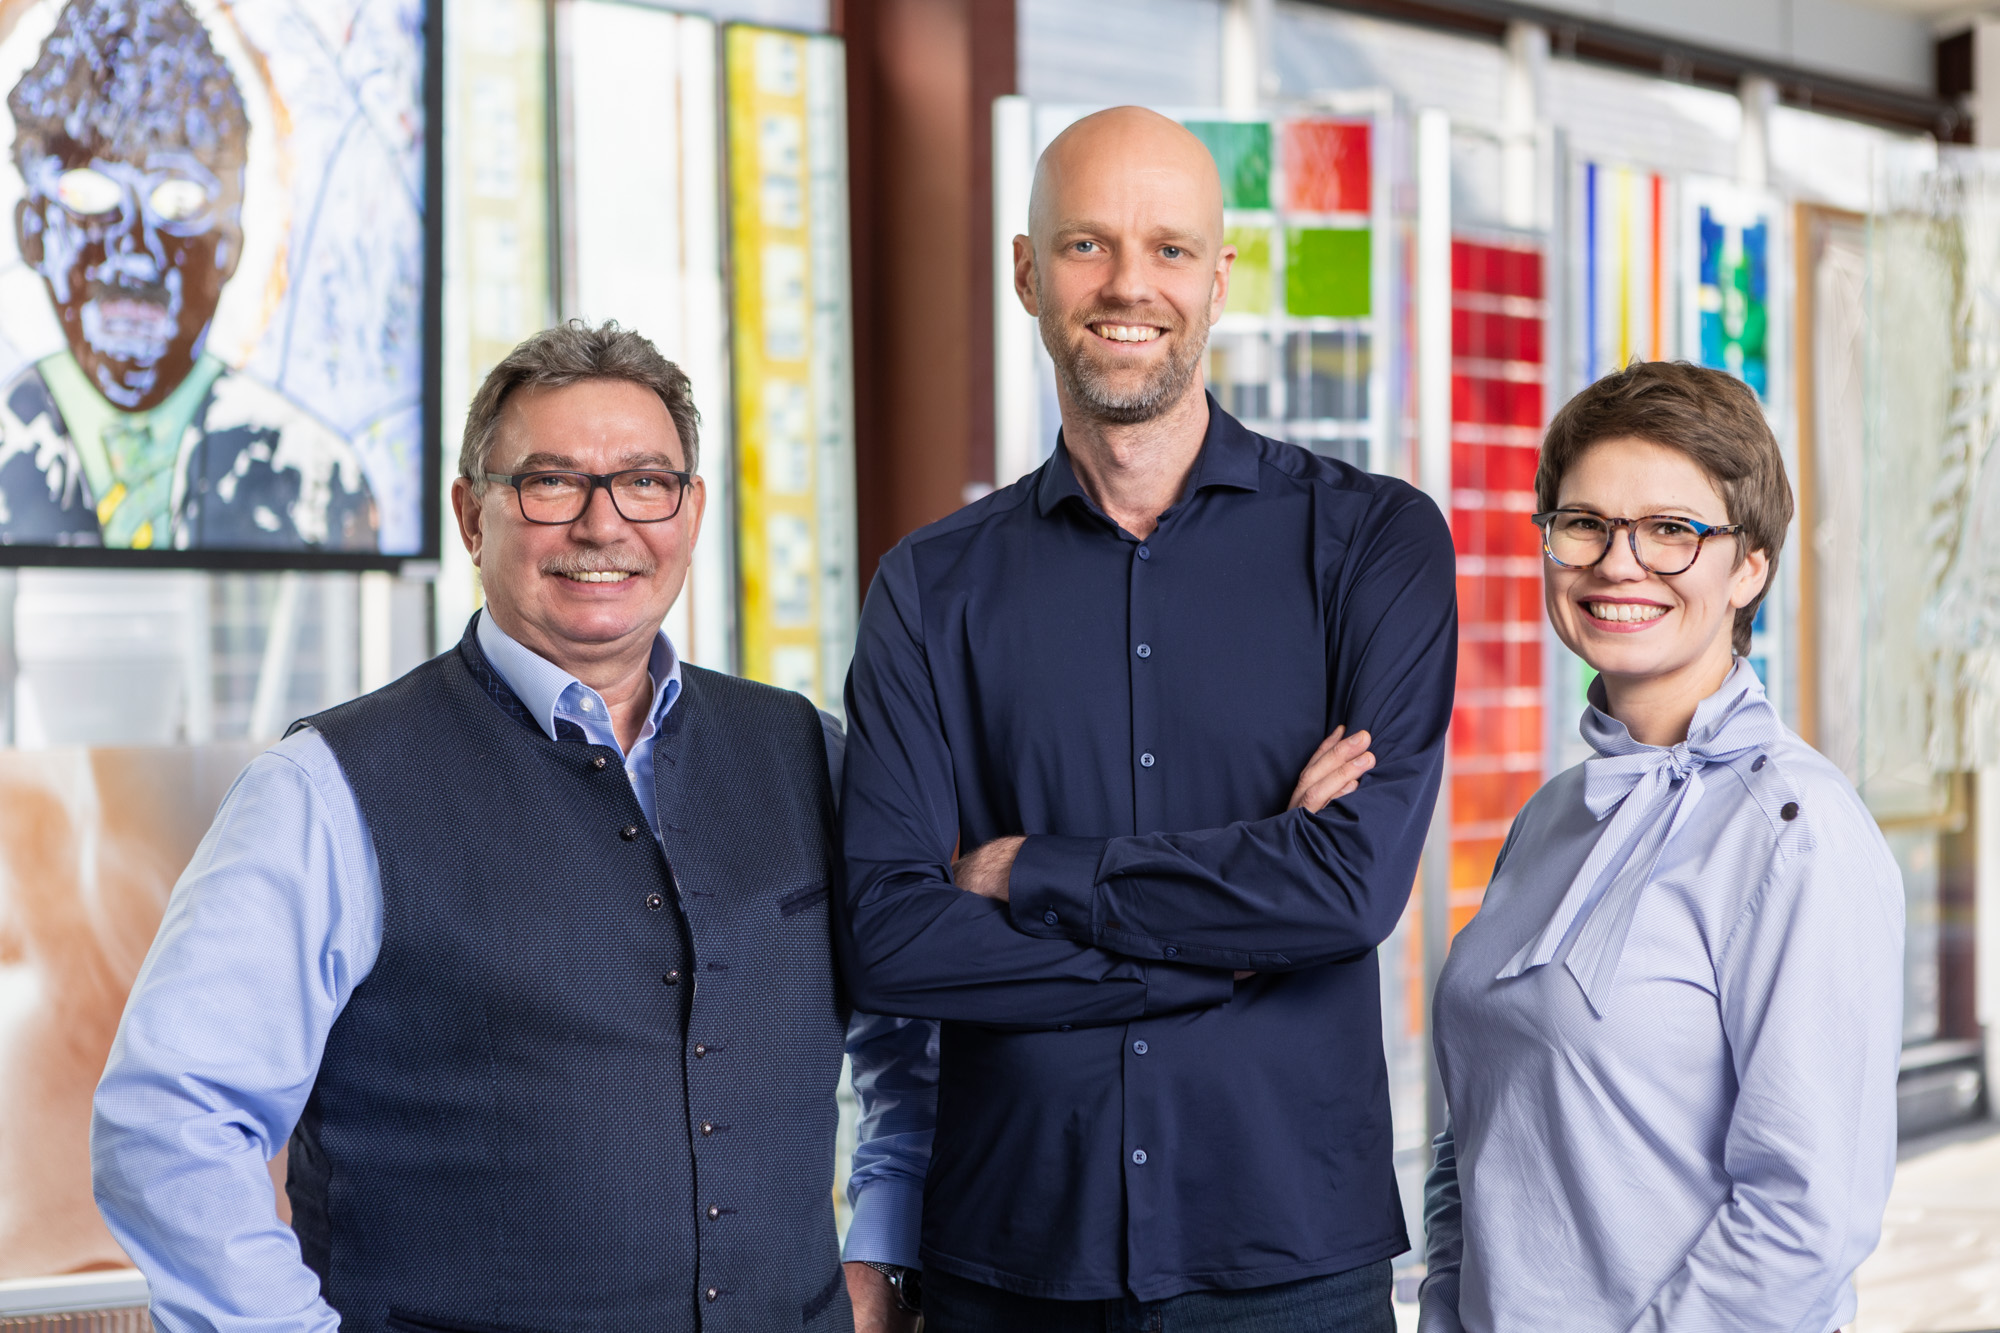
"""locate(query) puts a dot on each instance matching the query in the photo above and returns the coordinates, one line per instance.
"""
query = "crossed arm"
(1152, 923)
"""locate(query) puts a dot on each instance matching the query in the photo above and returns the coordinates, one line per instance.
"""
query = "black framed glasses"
(1661, 543)
(640, 494)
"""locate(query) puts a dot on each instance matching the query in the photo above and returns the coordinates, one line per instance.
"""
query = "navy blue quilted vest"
(587, 1088)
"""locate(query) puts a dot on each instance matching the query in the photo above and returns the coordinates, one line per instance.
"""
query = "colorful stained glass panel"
(1327, 272)
(1326, 166)
(1250, 277)
(1242, 152)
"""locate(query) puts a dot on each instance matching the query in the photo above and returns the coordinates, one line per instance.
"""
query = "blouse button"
(1758, 766)
(1789, 811)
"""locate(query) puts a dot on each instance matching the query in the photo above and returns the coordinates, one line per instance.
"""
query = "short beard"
(1088, 386)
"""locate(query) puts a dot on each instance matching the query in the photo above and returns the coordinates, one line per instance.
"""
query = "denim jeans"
(1356, 1301)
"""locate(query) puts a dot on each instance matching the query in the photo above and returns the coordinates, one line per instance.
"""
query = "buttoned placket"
(1144, 1165)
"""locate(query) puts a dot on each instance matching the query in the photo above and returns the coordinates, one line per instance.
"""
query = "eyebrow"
(1187, 240)
(547, 462)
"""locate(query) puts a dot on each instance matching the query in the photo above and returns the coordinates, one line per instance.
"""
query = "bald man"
(1095, 820)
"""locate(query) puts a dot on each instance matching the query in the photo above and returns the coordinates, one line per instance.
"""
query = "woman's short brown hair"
(1713, 418)
(565, 355)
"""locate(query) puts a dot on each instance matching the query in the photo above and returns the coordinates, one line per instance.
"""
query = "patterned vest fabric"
(587, 1087)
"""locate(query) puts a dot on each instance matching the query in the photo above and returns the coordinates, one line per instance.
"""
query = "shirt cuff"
(1172, 988)
(888, 1224)
(1052, 888)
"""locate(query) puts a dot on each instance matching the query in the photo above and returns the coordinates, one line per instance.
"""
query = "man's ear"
(29, 224)
(228, 252)
(471, 522)
(1024, 275)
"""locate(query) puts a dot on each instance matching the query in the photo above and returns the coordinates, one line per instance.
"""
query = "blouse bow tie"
(1649, 793)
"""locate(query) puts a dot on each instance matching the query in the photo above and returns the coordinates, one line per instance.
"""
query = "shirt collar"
(1739, 694)
(540, 684)
(1228, 458)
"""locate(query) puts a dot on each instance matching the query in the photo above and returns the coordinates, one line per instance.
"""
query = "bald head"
(1128, 156)
(1125, 266)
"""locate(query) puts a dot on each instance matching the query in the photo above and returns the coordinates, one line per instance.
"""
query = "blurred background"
(1450, 215)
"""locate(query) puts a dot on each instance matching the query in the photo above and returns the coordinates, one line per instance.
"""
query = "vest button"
(654, 902)
(699, 1050)
(713, 1212)
(673, 977)
(599, 763)
(629, 832)
(711, 1293)
(707, 1129)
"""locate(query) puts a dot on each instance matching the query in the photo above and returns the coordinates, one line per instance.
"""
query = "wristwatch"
(907, 1283)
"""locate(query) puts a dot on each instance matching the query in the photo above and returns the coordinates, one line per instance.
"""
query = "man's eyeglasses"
(1661, 543)
(640, 495)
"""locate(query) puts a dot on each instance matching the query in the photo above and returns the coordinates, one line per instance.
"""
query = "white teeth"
(1624, 612)
(1128, 333)
(599, 576)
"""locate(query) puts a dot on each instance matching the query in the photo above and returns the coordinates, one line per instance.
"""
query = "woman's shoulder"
(1815, 818)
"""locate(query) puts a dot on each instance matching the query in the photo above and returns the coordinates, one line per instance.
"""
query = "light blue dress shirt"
(274, 923)
(1669, 1044)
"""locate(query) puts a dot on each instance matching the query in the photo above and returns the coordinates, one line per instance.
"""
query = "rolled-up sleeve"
(274, 923)
(1812, 1006)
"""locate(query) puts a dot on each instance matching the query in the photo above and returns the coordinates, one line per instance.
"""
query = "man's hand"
(875, 1308)
(1334, 770)
(984, 870)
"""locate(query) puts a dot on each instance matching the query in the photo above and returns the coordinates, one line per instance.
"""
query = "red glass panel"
(1326, 166)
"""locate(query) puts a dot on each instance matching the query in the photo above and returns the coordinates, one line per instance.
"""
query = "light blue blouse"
(1669, 1044)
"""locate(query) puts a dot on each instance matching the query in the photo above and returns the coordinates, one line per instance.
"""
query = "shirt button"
(1140, 1048)
(1064, 1028)
(1171, 952)
(654, 902)
(713, 1213)
(1789, 811)
(711, 1293)
(599, 763)
(707, 1129)
(1145, 650)
(584, 705)
(629, 832)
(1146, 759)
(1049, 918)
(699, 1050)
(1138, 1157)
(1759, 764)
(673, 977)
(1145, 553)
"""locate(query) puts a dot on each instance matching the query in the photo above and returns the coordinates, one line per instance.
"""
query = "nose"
(1619, 564)
(132, 248)
(600, 523)
(1131, 283)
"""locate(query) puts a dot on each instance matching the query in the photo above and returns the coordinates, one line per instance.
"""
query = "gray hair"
(565, 355)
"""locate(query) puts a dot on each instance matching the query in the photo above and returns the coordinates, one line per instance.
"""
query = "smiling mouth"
(597, 575)
(1127, 333)
(1624, 613)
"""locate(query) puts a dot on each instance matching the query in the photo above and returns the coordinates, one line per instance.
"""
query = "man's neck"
(1136, 472)
(620, 672)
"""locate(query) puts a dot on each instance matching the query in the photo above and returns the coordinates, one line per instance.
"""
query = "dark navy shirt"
(1116, 1114)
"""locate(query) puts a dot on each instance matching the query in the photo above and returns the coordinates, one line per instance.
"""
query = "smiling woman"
(1648, 1126)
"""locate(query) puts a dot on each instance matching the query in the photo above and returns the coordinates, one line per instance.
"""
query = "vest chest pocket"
(801, 900)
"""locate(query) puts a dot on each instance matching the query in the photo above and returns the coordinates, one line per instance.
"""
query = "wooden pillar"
(921, 79)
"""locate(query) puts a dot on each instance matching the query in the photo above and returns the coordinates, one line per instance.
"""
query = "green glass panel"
(1327, 271)
(1242, 153)
(1250, 277)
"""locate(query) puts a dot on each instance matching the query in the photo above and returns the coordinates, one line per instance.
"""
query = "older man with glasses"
(527, 953)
